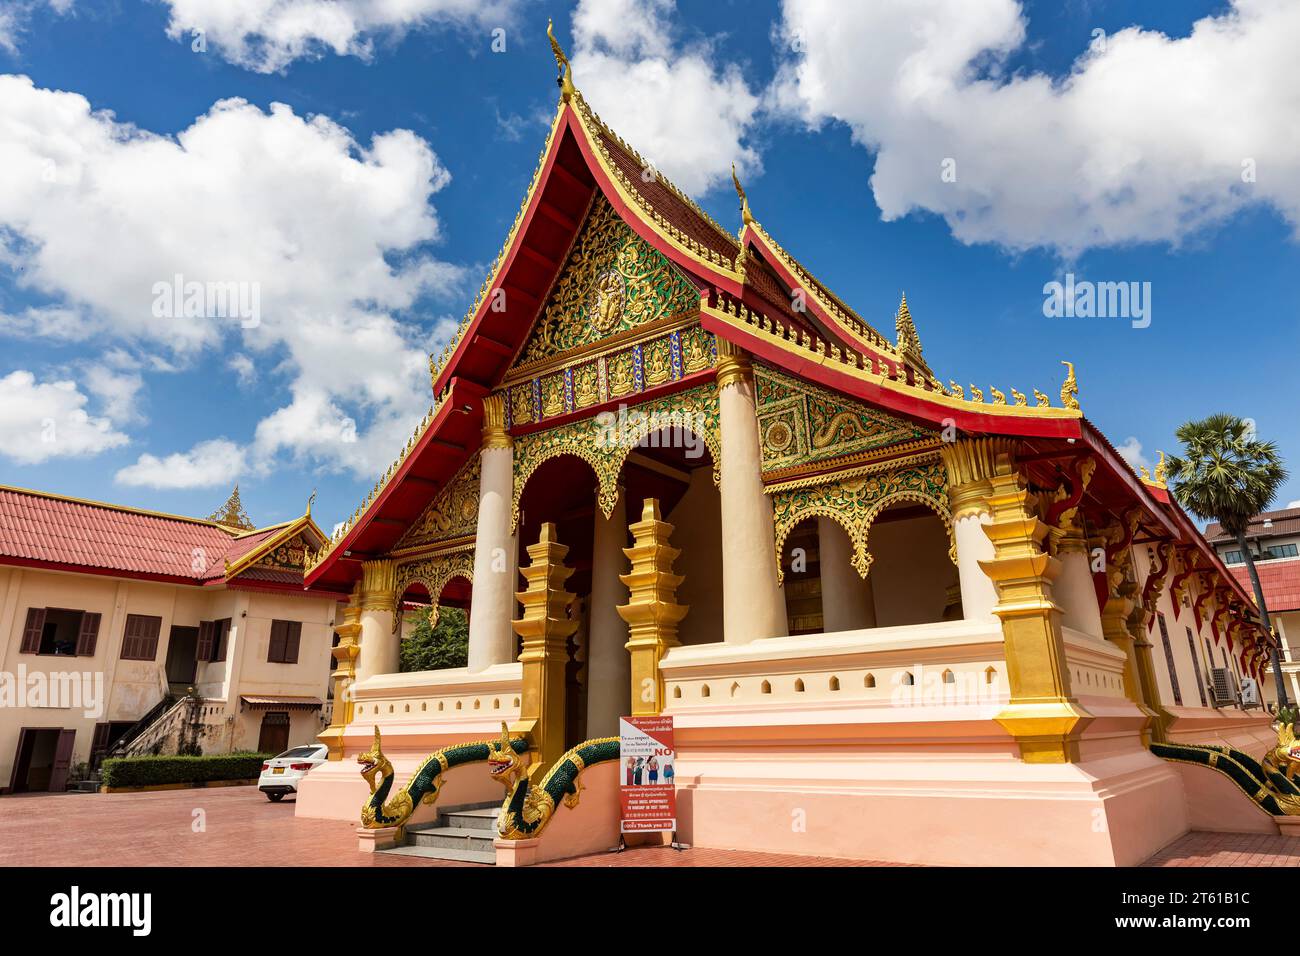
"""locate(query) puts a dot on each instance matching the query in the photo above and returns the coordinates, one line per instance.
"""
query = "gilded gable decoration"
(800, 424)
(854, 497)
(452, 514)
(288, 556)
(604, 441)
(612, 281)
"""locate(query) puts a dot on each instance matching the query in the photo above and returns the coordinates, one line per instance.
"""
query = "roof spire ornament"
(909, 342)
(232, 513)
(745, 215)
(1070, 389)
(565, 79)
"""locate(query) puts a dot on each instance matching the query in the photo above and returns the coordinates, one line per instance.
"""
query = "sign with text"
(646, 759)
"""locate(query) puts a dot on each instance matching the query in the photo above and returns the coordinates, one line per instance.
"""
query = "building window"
(213, 637)
(1232, 557)
(285, 636)
(1284, 550)
(60, 631)
(140, 639)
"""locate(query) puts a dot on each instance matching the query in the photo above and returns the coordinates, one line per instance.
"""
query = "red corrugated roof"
(51, 530)
(1279, 579)
(1286, 521)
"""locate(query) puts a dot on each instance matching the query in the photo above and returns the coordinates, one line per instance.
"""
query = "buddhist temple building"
(893, 616)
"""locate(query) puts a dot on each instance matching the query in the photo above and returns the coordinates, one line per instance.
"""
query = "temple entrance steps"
(464, 834)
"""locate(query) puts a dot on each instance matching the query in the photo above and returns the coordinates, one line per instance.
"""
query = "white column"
(380, 652)
(847, 601)
(978, 595)
(492, 601)
(753, 604)
(1074, 591)
(609, 666)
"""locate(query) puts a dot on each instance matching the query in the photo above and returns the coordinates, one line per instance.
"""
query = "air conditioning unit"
(1223, 686)
(1249, 693)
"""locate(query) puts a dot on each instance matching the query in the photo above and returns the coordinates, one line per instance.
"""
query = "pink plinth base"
(590, 827)
(370, 841)
(1288, 826)
(1216, 804)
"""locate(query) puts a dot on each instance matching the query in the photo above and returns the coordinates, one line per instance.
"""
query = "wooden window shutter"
(279, 632)
(32, 631)
(89, 634)
(205, 640)
(152, 626)
(293, 637)
(220, 638)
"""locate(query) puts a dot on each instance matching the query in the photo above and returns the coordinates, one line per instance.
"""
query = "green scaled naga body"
(425, 783)
(528, 808)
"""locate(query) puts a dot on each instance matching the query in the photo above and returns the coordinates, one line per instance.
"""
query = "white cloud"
(1293, 504)
(14, 16)
(1145, 140)
(40, 421)
(269, 35)
(685, 111)
(1131, 452)
(117, 392)
(206, 465)
(332, 233)
(243, 367)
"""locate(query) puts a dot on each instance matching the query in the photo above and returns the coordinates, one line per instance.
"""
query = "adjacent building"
(1274, 540)
(123, 629)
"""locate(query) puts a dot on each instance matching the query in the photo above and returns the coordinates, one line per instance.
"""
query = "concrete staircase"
(464, 834)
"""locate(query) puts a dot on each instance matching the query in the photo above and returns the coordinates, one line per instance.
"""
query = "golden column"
(379, 649)
(349, 631)
(652, 611)
(545, 628)
(1042, 713)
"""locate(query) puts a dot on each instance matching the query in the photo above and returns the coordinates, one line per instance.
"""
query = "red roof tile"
(1286, 521)
(1279, 579)
(52, 530)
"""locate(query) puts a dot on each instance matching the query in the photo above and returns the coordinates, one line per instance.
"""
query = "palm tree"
(1228, 475)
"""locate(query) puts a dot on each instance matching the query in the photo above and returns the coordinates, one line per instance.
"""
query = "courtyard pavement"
(237, 826)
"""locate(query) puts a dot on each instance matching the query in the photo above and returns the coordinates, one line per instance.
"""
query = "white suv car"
(280, 775)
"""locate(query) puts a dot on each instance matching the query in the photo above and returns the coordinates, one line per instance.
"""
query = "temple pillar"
(1042, 714)
(847, 601)
(545, 627)
(1119, 606)
(1075, 592)
(652, 612)
(345, 652)
(492, 602)
(608, 665)
(969, 464)
(753, 603)
(379, 650)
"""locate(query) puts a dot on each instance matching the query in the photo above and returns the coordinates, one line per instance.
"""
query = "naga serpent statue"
(1272, 783)
(424, 785)
(527, 809)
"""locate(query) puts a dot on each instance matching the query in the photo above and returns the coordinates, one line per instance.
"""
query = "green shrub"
(153, 771)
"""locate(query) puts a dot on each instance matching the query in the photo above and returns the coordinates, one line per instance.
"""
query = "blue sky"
(1102, 139)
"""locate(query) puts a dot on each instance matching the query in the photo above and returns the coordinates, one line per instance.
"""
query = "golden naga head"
(503, 763)
(374, 763)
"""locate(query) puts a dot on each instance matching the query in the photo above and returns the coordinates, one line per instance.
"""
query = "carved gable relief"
(452, 514)
(800, 423)
(612, 281)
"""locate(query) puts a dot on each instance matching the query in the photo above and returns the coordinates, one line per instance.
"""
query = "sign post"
(647, 768)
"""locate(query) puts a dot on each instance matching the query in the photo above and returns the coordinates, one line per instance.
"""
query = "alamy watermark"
(631, 427)
(59, 689)
(1103, 300)
(177, 299)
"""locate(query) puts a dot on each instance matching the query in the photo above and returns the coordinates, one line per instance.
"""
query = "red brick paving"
(1230, 849)
(242, 828)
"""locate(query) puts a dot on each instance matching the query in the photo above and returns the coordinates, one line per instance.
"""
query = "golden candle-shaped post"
(545, 628)
(1042, 713)
(346, 652)
(652, 612)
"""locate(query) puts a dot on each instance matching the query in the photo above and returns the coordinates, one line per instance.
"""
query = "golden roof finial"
(232, 514)
(1071, 387)
(1162, 470)
(310, 501)
(565, 79)
(746, 216)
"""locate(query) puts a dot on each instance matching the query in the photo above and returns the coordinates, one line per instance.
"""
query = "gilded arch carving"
(605, 441)
(435, 573)
(854, 498)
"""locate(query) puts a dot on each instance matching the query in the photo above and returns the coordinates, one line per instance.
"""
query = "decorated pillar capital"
(733, 364)
(378, 585)
(970, 463)
(494, 422)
